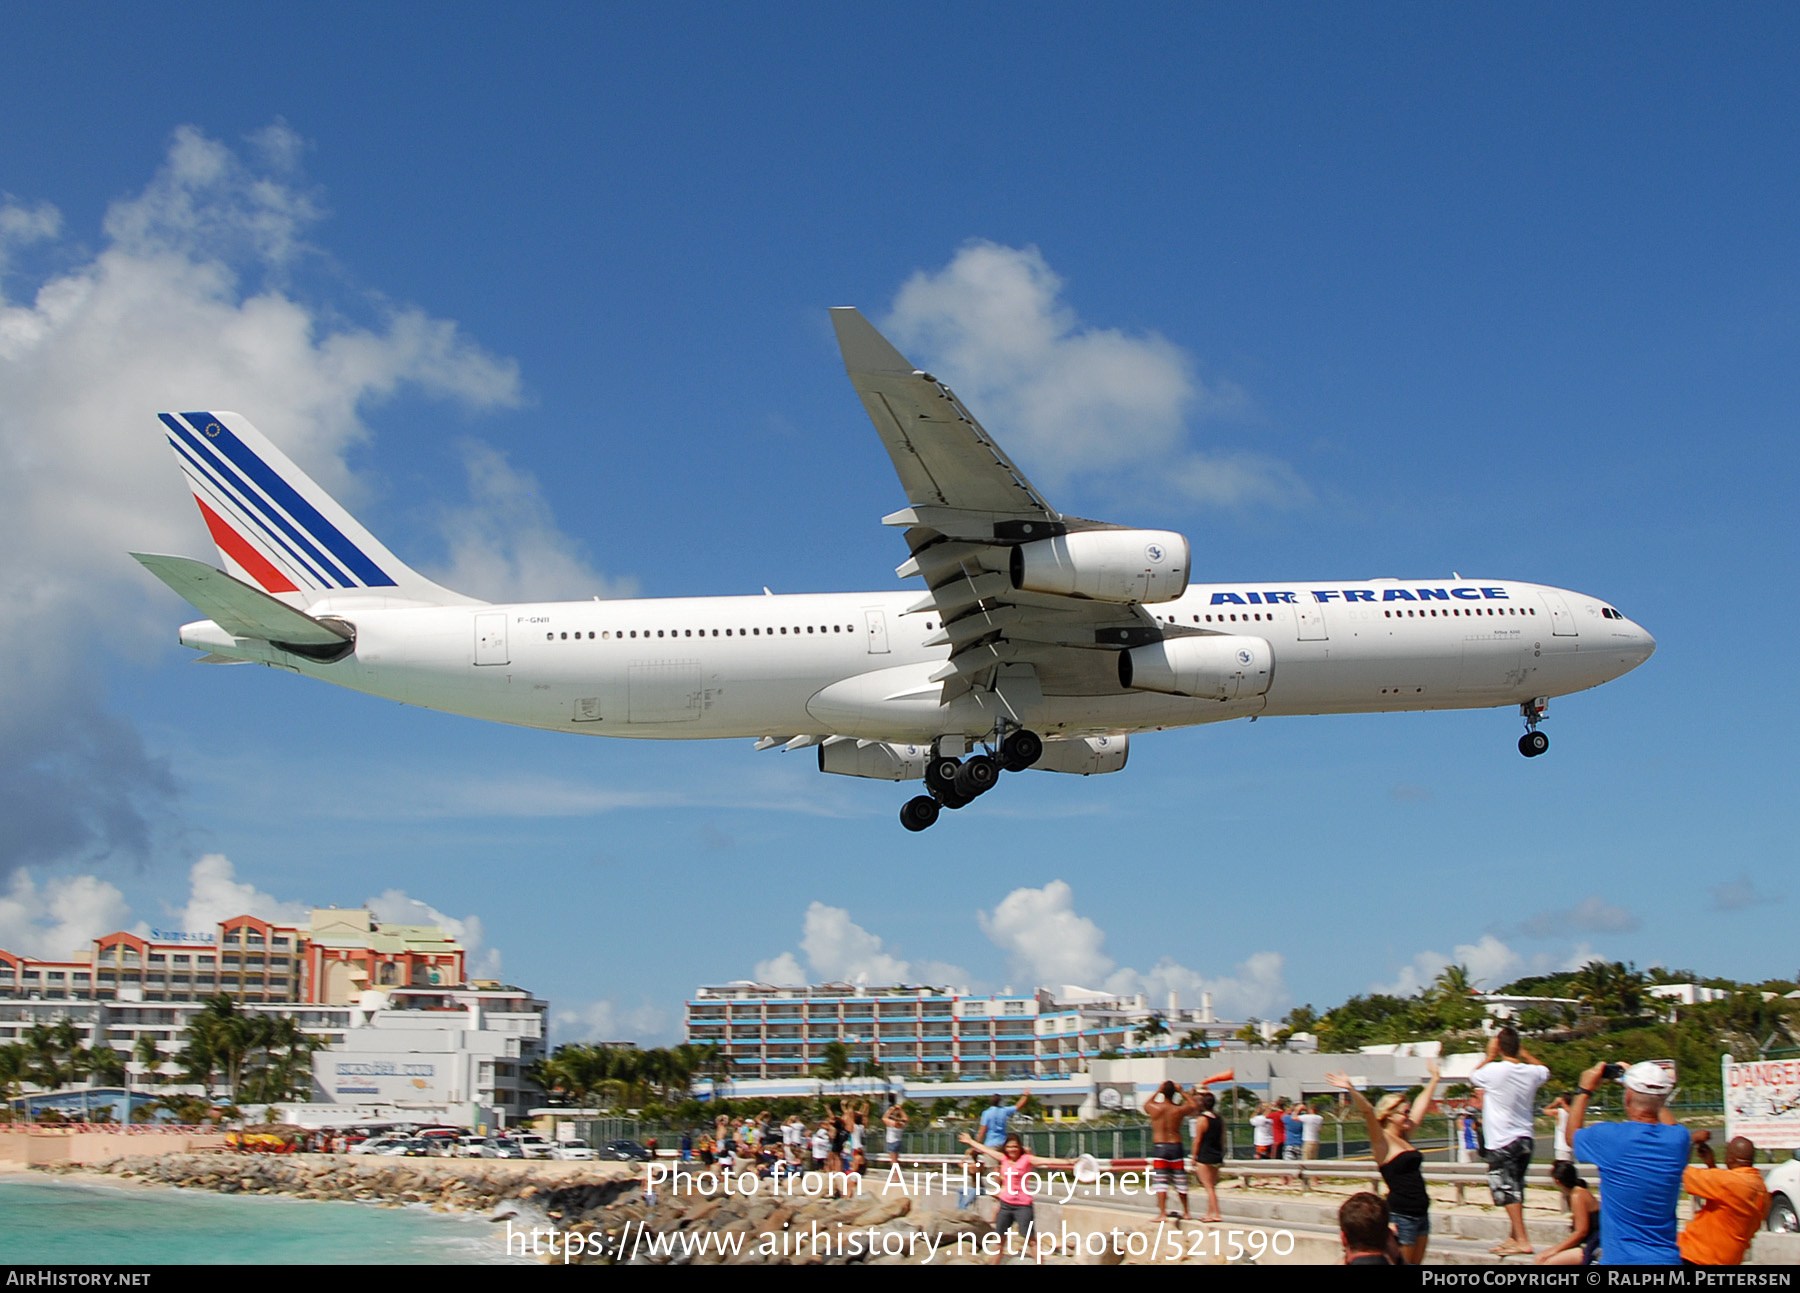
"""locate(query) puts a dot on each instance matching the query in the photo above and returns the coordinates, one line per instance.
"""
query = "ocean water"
(56, 1222)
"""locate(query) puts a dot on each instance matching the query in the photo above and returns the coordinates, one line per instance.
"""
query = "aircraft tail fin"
(275, 528)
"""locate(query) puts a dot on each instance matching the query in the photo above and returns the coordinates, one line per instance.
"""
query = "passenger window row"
(621, 634)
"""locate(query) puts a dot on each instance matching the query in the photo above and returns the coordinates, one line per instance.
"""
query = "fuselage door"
(490, 639)
(1311, 622)
(1562, 624)
(875, 621)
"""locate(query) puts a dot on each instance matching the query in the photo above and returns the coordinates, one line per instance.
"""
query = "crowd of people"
(760, 1145)
(1643, 1162)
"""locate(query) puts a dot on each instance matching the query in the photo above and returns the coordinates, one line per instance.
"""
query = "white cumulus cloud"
(504, 542)
(397, 907)
(839, 950)
(1073, 401)
(184, 300)
(215, 894)
(59, 919)
(607, 1021)
(1048, 943)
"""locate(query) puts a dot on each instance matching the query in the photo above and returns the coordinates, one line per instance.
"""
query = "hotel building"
(392, 996)
(934, 1033)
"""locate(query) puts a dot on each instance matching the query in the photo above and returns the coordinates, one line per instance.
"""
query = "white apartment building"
(766, 1031)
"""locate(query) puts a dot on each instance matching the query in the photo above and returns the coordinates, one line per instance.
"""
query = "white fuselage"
(856, 664)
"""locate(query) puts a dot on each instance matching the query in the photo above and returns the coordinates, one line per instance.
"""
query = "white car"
(1783, 1181)
(377, 1144)
(534, 1145)
(572, 1151)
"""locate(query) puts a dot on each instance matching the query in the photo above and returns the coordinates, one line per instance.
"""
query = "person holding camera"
(1641, 1161)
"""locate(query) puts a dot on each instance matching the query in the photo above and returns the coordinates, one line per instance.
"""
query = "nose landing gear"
(955, 782)
(1534, 742)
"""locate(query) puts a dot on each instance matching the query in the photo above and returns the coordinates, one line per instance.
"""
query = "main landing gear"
(1534, 742)
(955, 782)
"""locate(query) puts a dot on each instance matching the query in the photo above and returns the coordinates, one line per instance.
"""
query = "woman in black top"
(1209, 1150)
(1390, 1123)
(1582, 1247)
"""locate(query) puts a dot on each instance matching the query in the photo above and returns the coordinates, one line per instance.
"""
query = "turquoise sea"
(55, 1222)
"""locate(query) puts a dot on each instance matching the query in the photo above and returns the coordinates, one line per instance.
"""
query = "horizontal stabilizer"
(239, 609)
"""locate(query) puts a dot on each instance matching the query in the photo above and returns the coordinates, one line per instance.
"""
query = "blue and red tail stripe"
(216, 451)
(233, 495)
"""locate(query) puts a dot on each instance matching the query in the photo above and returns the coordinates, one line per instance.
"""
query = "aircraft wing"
(239, 609)
(969, 507)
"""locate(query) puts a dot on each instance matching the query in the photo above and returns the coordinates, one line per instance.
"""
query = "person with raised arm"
(1390, 1123)
(1509, 1078)
(1168, 1107)
(1641, 1161)
(1209, 1141)
(1015, 1166)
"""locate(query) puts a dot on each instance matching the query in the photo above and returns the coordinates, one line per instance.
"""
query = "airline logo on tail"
(268, 519)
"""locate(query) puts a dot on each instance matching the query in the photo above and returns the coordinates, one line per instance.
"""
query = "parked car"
(377, 1144)
(534, 1145)
(501, 1147)
(1784, 1187)
(407, 1147)
(572, 1151)
(625, 1151)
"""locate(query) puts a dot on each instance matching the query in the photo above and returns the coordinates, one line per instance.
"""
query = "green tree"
(834, 1061)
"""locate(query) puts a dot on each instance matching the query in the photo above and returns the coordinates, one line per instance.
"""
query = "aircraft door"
(875, 621)
(1562, 624)
(490, 639)
(1311, 622)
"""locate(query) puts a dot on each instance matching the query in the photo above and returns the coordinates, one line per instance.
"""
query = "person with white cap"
(1641, 1161)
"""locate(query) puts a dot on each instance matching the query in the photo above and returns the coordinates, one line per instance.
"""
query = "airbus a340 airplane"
(1041, 640)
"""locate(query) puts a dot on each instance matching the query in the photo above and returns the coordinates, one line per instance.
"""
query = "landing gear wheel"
(1020, 750)
(918, 812)
(940, 773)
(949, 798)
(977, 776)
(1533, 744)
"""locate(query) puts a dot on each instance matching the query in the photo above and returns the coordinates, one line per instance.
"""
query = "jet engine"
(1222, 667)
(1105, 565)
(1084, 756)
(875, 759)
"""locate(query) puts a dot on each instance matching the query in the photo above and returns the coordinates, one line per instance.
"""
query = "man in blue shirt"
(995, 1117)
(1641, 1161)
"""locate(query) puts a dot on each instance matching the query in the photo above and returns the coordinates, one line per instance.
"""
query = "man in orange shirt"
(1736, 1201)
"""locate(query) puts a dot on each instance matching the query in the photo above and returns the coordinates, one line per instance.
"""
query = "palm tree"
(1452, 983)
(145, 1052)
(834, 1061)
(219, 1039)
(1151, 1029)
(15, 1070)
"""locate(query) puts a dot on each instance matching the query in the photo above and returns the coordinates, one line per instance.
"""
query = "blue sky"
(542, 295)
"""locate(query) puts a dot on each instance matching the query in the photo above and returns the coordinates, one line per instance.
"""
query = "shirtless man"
(1167, 1110)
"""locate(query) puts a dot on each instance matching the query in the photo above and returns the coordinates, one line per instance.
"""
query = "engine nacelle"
(1224, 667)
(875, 759)
(1105, 565)
(1085, 756)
